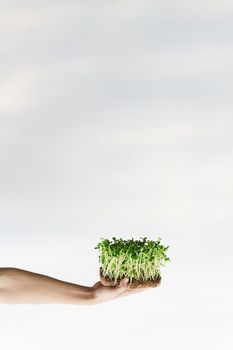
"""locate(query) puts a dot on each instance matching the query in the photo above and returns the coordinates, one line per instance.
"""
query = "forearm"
(24, 287)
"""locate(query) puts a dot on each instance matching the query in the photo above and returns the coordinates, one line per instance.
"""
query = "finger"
(123, 282)
(134, 291)
(128, 294)
(96, 285)
(122, 286)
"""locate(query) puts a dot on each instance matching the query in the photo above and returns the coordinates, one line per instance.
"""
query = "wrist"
(85, 296)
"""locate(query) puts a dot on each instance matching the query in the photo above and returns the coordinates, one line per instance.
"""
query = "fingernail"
(123, 282)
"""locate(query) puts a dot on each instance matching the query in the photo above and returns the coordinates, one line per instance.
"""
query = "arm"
(24, 287)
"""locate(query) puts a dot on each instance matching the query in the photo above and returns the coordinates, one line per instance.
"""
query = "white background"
(116, 119)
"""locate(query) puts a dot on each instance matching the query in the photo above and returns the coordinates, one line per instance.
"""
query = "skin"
(19, 286)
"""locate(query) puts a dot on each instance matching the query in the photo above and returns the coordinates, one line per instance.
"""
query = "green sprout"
(136, 259)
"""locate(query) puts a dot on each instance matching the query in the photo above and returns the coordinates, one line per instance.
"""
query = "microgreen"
(136, 259)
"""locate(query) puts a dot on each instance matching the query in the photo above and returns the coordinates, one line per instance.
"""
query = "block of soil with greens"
(139, 260)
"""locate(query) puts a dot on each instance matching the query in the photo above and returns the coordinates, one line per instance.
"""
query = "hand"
(103, 293)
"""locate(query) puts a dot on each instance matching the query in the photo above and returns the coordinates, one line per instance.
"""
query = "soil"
(135, 284)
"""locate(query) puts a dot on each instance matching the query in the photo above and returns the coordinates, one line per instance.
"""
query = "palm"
(104, 293)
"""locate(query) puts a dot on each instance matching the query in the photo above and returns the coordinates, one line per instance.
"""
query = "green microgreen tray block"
(136, 259)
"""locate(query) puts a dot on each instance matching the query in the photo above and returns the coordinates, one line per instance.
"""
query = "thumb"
(123, 283)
